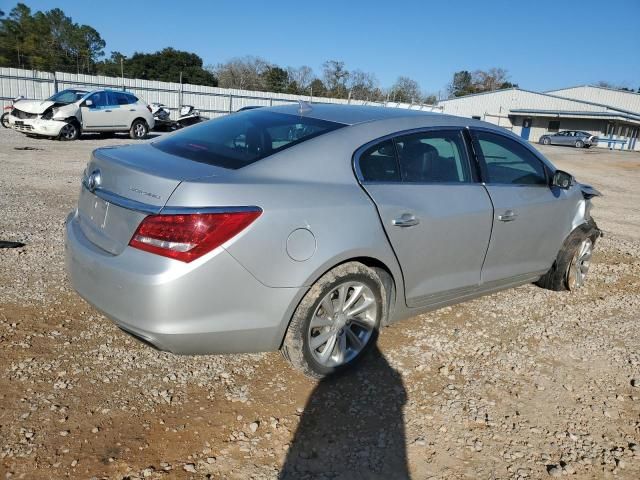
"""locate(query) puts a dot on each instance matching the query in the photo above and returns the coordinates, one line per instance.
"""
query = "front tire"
(579, 144)
(337, 321)
(139, 130)
(546, 141)
(69, 132)
(4, 119)
(570, 269)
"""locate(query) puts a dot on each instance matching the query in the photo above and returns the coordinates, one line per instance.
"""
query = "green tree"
(275, 79)
(48, 41)
(317, 88)
(164, 65)
(466, 83)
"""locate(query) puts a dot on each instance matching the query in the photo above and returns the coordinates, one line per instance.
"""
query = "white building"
(612, 115)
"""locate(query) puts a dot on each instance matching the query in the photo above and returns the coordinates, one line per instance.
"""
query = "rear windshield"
(239, 139)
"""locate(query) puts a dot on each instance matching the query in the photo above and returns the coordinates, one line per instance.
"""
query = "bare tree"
(246, 73)
(335, 77)
(490, 80)
(405, 90)
(363, 85)
(302, 76)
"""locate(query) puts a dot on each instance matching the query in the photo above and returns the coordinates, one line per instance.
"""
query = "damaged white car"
(69, 113)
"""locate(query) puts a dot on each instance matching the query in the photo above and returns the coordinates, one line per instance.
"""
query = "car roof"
(348, 114)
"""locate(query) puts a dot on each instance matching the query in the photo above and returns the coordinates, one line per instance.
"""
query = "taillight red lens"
(187, 237)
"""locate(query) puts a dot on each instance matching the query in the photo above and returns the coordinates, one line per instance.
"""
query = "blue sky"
(543, 44)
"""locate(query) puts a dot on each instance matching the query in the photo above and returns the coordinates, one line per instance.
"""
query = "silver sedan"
(307, 228)
(574, 138)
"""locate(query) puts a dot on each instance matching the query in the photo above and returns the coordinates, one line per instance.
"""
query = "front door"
(531, 220)
(437, 217)
(100, 114)
(526, 128)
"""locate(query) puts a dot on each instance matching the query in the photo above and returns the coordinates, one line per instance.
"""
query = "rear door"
(124, 110)
(436, 215)
(531, 219)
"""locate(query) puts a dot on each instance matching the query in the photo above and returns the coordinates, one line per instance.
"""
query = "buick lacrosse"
(307, 228)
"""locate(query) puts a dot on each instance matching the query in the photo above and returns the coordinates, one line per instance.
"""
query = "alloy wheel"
(139, 130)
(69, 131)
(342, 324)
(579, 266)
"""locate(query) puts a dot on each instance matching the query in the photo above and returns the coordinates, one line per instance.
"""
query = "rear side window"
(239, 139)
(508, 162)
(123, 98)
(433, 157)
(379, 163)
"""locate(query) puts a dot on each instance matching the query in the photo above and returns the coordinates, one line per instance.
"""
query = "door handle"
(508, 216)
(107, 110)
(132, 109)
(406, 220)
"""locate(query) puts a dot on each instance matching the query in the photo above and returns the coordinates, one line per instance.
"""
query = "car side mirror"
(88, 103)
(562, 179)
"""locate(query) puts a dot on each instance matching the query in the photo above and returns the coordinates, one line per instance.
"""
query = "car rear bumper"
(211, 305)
(36, 126)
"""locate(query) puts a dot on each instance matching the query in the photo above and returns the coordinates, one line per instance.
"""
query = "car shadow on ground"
(352, 427)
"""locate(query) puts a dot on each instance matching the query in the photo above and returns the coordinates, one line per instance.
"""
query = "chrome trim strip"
(124, 202)
(192, 210)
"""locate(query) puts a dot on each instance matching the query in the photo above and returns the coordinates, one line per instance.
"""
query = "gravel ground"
(525, 383)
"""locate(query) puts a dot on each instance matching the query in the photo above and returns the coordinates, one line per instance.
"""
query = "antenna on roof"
(304, 107)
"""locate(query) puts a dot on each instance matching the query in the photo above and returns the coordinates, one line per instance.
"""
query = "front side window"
(99, 100)
(433, 157)
(507, 161)
(234, 141)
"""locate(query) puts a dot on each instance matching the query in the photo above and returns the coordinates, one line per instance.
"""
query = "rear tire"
(139, 130)
(579, 144)
(323, 313)
(572, 263)
(69, 132)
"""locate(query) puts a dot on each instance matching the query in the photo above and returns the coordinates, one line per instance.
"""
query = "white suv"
(68, 113)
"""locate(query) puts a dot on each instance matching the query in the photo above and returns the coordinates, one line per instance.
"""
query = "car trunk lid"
(124, 184)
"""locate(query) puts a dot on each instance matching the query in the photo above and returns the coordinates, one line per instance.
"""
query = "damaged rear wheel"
(70, 131)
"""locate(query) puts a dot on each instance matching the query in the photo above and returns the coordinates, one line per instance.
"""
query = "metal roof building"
(612, 115)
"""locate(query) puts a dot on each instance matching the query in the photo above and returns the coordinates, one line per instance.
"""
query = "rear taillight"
(187, 237)
(149, 108)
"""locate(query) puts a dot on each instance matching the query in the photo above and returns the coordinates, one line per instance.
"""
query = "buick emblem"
(93, 180)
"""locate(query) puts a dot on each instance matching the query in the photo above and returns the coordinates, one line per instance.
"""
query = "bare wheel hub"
(580, 264)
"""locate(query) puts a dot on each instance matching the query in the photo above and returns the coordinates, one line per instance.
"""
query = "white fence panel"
(211, 101)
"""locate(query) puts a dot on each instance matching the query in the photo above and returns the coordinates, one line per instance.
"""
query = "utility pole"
(122, 71)
(180, 96)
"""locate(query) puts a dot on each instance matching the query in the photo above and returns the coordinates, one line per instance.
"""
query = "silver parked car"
(307, 229)
(574, 138)
(68, 113)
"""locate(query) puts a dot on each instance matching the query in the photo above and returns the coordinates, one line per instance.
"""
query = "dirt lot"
(525, 383)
